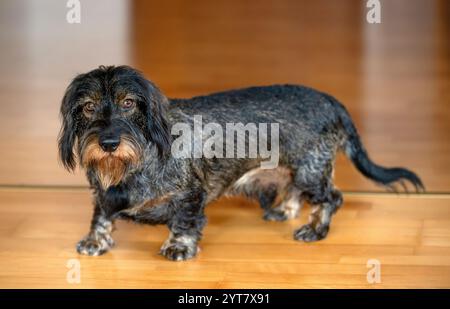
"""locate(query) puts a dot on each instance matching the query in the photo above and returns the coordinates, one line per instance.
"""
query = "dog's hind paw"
(94, 246)
(275, 215)
(287, 210)
(307, 233)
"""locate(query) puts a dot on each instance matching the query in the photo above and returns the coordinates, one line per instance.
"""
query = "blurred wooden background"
(394, 77)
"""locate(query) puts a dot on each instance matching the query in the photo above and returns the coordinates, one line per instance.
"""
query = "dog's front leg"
(185, 228)
(99, 239)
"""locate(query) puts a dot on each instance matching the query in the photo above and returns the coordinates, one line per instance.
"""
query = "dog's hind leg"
(318, 190)
(273, 190)
(287, 208)
(314, 178)
(320, 217)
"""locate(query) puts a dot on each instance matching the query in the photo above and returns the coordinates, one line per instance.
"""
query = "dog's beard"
(110, 168)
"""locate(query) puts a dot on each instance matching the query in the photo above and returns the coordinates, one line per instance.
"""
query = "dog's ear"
(67, 136)
(157, 126)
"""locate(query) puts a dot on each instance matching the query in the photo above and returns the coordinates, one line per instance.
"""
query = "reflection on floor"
(394, 76)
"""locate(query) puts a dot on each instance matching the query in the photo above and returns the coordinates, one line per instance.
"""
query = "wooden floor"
(394, 77)
(410, 236)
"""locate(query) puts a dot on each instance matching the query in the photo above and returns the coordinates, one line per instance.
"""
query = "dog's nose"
(110, 144)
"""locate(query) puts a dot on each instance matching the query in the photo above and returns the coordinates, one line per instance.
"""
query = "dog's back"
(309, 121)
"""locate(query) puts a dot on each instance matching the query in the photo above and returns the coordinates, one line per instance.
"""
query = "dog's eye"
(128, 104)
(89, 107)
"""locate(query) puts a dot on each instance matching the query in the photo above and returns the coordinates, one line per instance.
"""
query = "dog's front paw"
(308, 233)
(179, 252)
(179, 248)
(95, 245)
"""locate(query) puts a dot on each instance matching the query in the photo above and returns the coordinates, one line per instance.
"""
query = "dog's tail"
(355, 151)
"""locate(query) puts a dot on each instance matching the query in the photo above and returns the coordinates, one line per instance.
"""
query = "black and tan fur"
(117, 125)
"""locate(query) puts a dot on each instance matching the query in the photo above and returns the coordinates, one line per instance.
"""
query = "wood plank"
(410, 236)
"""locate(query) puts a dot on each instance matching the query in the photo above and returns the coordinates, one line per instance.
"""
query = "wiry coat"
(142, 181)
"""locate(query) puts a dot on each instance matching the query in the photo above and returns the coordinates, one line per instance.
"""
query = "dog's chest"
(120, 202)
(115, 199)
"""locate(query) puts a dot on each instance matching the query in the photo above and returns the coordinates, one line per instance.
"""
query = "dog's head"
(109, 116)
